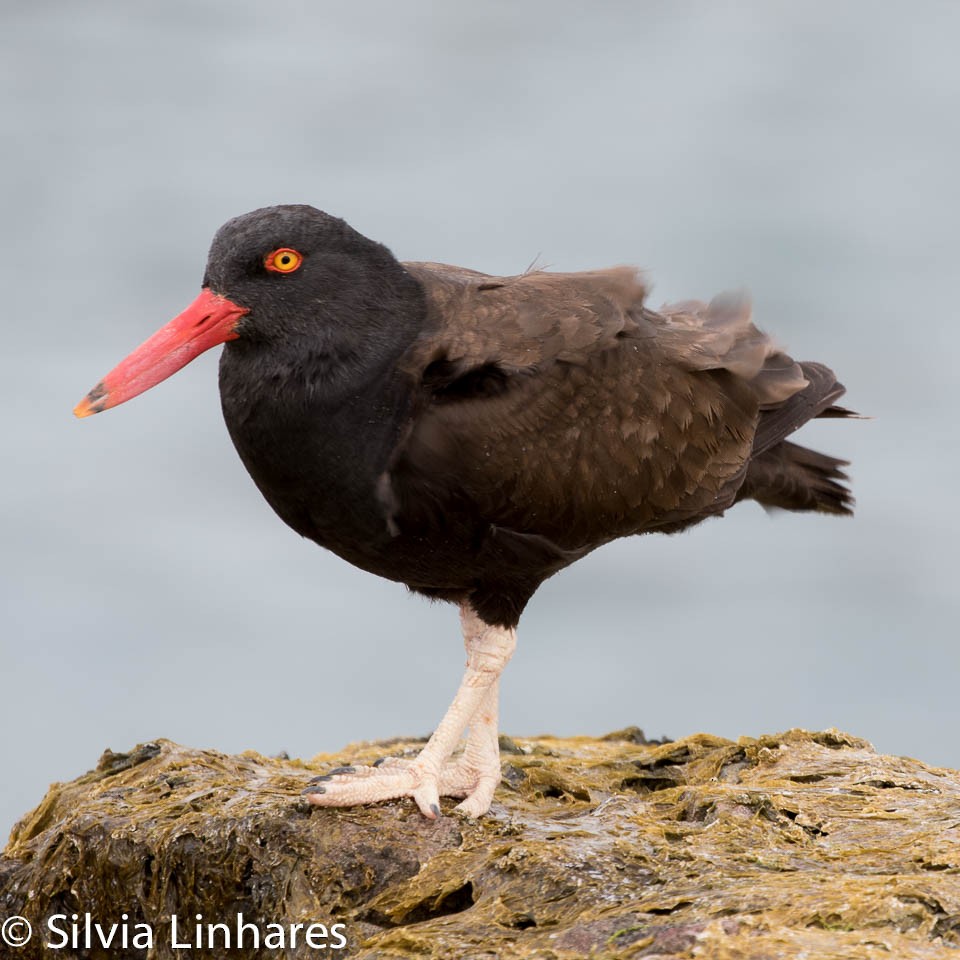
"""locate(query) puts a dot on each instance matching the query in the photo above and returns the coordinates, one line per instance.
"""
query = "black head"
(301, 272)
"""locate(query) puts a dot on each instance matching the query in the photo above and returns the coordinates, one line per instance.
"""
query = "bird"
(471, 435)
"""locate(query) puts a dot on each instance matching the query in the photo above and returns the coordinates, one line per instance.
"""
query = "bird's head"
(276, 274)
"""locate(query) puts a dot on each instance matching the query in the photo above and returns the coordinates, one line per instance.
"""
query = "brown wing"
(558, 406)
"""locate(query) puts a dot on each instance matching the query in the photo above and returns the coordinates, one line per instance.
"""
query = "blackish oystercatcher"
(470, 435)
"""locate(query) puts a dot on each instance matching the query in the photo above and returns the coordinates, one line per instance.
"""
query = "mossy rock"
(799, 844)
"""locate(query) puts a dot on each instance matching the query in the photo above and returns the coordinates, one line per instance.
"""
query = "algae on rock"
(800, 844)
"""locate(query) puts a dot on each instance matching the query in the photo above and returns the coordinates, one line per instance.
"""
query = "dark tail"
(792, 477)
(785, 475)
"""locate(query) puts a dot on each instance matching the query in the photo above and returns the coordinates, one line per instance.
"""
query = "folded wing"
(559, 407)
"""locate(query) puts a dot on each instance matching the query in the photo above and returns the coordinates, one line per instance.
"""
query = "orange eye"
(284, 260)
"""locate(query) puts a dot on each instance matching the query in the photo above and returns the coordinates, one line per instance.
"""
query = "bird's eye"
(284, 260)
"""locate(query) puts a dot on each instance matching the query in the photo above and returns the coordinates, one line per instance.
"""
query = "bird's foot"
(474, 775)
(473, 782)
(395, 777)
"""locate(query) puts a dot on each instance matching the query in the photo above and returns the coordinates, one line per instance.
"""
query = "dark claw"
(435, 809)
(378, 761)
(317, 789)
(337, 770)
(326, 776)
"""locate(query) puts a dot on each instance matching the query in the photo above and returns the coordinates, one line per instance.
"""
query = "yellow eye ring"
(284, 260)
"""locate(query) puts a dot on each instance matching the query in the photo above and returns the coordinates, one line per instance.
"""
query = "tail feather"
(816, 399)
(788, 393)
(791, 477)
(845, 412)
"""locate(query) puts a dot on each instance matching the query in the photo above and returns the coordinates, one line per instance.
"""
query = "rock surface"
(799, 844)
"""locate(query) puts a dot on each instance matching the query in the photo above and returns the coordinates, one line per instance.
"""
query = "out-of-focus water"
(808, 152)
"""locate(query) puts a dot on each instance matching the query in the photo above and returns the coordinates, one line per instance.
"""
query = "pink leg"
(476, 773)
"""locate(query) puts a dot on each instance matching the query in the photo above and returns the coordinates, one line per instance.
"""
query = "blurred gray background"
(805, 151)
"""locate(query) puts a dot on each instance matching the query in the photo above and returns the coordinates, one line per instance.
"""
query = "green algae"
(789, 845)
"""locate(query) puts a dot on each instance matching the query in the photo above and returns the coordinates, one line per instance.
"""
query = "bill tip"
(93, 402)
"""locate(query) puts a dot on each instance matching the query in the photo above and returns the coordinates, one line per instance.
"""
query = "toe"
(476, 805)
(427, 798)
